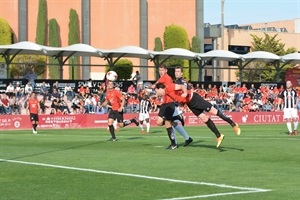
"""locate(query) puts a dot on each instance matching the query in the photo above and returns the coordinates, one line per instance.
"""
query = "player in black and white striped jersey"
(290, 112)
(144, 107)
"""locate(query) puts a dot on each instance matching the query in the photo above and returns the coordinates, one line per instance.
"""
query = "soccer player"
(179, 80)
(197, 105)
(165, 115)
(144, 107)
(34, 107)
(117, 101)
(290, 112)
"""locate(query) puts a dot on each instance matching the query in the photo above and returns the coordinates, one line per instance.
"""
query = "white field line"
(243, 137)
(244, 189)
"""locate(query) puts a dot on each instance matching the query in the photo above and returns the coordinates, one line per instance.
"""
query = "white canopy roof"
(175, 53)
(126, 51)
(292, 58)
(73, 50)
(24, 47)
(220, 55)
(261, 56)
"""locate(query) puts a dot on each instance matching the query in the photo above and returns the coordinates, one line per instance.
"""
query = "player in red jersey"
(167, 109)
(117, 101)
(34, 107)
(197, 105)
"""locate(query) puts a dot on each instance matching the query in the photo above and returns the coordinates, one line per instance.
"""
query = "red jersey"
(114, 98)
(171, 93)
(166, 80)
(33, 105)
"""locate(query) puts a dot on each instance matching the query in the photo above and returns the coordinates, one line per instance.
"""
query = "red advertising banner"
(22, 122)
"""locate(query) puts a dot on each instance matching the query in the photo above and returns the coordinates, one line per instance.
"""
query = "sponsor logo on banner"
(5, 122)
(54, 121)
(268, 118)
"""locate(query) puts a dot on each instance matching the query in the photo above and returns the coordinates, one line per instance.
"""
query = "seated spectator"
(2, 112)
(268, 107)
(26, 98)
(65, 112)
(58, 112)
(43, 106)
(55, 94)
(28, 89)
(69, 92)
(87, 90)
(75, 104)
(55, 87)
(88, 105)
(133, 103)
(55, 104)
(101, 95)
(19, 91)
(15, 105)
(5, 104)
(219, 103)
(81, 91)
(52, 112)
(10, 90)
(62, 105)
(100, 109)
(131, 89)
(45, 91)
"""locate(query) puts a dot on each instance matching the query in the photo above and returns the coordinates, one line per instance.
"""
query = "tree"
(261, 71)
(5, 32)
(41, 27)
(5, 35)
(54, 39)
(177, 37)
(123, 67)
(27, 62)
(158, 44)
(73, 38)
(194, 67)
(41, 32)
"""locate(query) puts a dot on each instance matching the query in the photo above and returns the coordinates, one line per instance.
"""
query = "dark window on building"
(207, 48)
(238, 50)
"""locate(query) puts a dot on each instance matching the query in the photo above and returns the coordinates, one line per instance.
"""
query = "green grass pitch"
(262, 163)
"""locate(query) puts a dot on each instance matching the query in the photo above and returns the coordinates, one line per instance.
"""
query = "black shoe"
(135, 120)
(172, 147)
(112, 139)
(187, 142)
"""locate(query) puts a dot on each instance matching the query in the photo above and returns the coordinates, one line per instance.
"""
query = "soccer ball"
(112, 76)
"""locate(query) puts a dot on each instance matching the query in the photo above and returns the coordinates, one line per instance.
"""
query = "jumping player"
(197, 105)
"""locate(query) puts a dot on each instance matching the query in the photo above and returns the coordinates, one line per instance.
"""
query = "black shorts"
(198, 105)
(34, 117)
(166, 111)
(115, 115)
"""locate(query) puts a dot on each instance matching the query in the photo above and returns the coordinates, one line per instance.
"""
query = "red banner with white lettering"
(22, 122)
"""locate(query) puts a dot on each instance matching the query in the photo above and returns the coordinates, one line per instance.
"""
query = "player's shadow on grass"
(197, 144)
(52, 151)
(134, 138)
(284, 133)
(154, 132)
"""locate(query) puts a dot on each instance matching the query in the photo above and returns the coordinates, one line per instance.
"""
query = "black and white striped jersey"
(289, 98)
(144, 106)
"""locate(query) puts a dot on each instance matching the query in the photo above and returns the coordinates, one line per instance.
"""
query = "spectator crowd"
(232, 98)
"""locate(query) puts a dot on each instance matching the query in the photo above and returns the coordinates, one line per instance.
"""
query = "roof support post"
(241, 67)
(201, 66)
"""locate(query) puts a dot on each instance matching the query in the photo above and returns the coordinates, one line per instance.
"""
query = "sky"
(250, 11)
